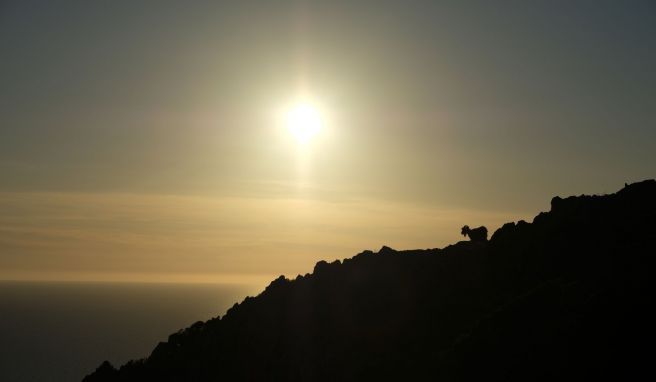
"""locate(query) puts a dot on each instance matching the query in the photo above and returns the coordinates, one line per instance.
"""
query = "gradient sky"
(143, 140)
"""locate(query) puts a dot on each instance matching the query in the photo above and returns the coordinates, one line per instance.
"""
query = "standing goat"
(476, 234)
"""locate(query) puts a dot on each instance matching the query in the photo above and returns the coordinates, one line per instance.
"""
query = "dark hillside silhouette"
(567, 296)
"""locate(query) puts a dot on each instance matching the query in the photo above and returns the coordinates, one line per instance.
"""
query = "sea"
(61, 331)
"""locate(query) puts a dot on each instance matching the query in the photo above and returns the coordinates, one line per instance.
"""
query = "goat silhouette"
(476, 234)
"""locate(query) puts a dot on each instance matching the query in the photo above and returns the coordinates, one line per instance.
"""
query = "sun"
(303, 122)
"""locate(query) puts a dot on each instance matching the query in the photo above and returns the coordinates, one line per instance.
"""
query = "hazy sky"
(145, 140)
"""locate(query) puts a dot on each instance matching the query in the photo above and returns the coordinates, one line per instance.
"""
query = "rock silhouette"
(477, 234)
(567, 296)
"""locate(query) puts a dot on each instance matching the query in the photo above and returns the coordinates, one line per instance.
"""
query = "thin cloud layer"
(223, 238)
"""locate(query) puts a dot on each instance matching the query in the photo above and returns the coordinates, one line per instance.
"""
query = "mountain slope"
(568, 295)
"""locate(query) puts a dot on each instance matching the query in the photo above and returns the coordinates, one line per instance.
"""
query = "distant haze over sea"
(61, 331)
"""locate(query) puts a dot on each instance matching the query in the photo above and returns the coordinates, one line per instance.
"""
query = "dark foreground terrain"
(566, 296)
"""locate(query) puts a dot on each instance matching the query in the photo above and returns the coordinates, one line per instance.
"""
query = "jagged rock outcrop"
(566, 296)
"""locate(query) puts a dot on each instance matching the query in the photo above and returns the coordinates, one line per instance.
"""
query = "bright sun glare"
(304, 122)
